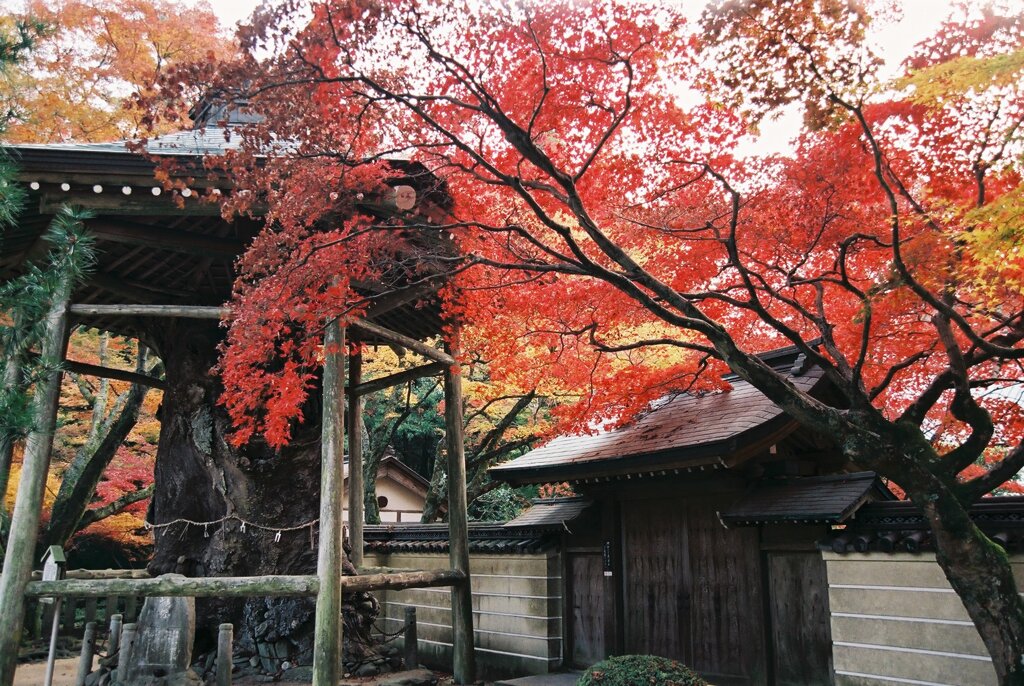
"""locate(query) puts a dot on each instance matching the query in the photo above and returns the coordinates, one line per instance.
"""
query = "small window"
(382, 502)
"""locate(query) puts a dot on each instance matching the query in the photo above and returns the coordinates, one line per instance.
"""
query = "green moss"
(640, 670)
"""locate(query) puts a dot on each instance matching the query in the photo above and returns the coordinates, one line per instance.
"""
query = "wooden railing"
(237, 586)
(76, 610)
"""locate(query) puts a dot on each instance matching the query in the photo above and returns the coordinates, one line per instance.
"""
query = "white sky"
(921, 17)
(231, 12)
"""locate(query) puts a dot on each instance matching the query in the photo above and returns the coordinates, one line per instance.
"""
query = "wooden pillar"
(11, 381)
(463, 657)
(328, 629)
(20, 553)
(224, 653)
(613, 589)
(356, 487)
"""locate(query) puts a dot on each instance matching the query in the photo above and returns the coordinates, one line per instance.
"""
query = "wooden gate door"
(586, 617)
(801, 635)
(693, 589)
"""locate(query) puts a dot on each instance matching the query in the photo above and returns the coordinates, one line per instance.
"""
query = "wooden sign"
(54, 563)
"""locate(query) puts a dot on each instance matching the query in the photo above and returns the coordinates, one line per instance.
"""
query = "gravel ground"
(32, 673)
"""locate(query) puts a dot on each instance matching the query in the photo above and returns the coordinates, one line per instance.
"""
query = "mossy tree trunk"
(201, 477)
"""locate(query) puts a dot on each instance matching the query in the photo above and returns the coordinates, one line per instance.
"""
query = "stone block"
(162, 651)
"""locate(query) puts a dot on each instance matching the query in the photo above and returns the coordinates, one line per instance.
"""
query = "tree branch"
(110, 509)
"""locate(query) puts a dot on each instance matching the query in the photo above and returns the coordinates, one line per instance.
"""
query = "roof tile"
(677, 424)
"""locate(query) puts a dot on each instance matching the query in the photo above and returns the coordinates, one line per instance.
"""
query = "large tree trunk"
(201, 478)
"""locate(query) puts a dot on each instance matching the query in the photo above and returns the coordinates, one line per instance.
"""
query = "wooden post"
(124, 657)
(90, 610)
(356, 487)
(463, 653)
(411, 641)
(328, 630)
(85, 658)
(20, 553)
(35, 615)
(114, 638)
(68, 621)
(51, 656)
(224, 650)
(50, 611)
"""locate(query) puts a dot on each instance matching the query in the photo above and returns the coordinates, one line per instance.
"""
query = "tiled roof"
(830, 499)
(693, 429)
(899, 526)
(536, 530)
(209, 140)
(553, 512)
(433, 538)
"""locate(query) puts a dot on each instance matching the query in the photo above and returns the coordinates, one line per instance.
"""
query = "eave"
(707, 457)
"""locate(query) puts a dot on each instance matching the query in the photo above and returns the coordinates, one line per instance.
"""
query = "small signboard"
(54, 563)
(606, 557)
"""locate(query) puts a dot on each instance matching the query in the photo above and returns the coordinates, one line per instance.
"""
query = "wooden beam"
(195, 587)
(355, 461)
(327, 637)
(463, 652)
(397, 378)
(139, 291)
(213, 312)
(183, 311)
(162, 238)
(385, 334)
(397, 581)
(141, 202)
(118, 374)
(236, 586)
(387, 302)
(99, 574)
(21, 543)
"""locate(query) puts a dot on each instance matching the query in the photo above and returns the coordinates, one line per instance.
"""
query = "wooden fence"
(77, 611)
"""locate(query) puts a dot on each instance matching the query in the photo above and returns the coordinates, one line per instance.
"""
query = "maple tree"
(105, 449)
(92, 55)
(611, 246)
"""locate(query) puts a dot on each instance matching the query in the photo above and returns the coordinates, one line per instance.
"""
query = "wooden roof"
(828, 499)
(154, 246)
(686, 432)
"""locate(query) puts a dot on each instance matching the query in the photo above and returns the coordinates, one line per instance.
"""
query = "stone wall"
(517, 610)
(895, 620)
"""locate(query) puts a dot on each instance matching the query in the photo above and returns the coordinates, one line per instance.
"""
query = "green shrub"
(640, 670)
